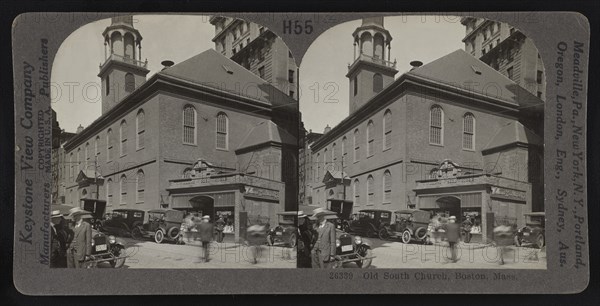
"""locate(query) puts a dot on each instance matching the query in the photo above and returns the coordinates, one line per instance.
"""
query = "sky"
(75, 82)
(76, 85)
(324, 88)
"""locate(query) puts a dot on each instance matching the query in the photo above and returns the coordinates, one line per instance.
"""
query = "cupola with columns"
(123, 69)
(372, 69)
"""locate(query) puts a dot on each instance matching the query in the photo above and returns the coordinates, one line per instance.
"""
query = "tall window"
(436, 126)
(318, 167)
(109, 195)
(129, 82)
(370, 138)
(123, 190)
(355, 85)
(140, 187)
(387, 187)
(344, 152)
(222, 131)
(291, 76)
(86, 154)
(189, 125)
(370, 190)
(140, 127)
(123, 138)
(96, 144)
(356, 192)
(377, 82)
(387, 129)
(261, 72)
(325, 160)
(78, 160)
(109, 145)
(71, 165)
(468, 132)
(356, 146)
(333, 156)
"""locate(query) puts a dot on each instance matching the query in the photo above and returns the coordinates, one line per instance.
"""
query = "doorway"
(450, 205)
(203, 205)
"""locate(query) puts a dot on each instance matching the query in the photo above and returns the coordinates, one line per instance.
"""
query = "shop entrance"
(450, 206)
(203, 205)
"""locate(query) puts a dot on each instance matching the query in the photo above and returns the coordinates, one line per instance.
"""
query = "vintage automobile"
(286, 230)
(533, 231)
(161, 224)
(106, 249)
(369, 222)
(410, 225)
(351, 248)
(121, 222)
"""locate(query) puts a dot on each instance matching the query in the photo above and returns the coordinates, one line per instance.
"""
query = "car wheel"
(421, 233)
(118, 263)
(293, 240)
(173, 233)
(159, 236)
(540, 241)
(365, 263)
(136, 233)
(406, 236)
(270, 240)
(383, 234)
(518, 241)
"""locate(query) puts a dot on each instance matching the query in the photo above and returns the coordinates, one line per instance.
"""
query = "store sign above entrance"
(257, 192)
(508, 194)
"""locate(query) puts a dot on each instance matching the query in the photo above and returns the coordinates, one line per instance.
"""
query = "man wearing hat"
(452, 235)
(324, 248)
(206, 232)
(57, 246)
(81, 246)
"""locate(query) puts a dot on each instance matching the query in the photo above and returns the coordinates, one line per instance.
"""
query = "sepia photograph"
(422, 145)
(178, 150)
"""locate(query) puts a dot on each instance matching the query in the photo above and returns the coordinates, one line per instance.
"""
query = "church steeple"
(123, 69)
(371, 71)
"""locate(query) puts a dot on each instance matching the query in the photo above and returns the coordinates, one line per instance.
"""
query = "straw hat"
(322, 212)
(56, 214)
(76, 211)
(206, 217)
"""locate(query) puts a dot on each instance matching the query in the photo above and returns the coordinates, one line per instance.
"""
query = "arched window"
(436, 126)
(140, 187)
(378, 46)
(377, 82)
(468, 142)
(96, 144)
(333, 156)
(117, 43)
(71, 166)
(222, 131)
(356, 146)
(367, 44)
(129, 43)
(387, 129)
(107, 84)
(187, 172)
(86, 154)
(140, 127)
(370, 190)
(189, 125)
(387, 186)
(356, 192)
(355, 85)
(129, 82)
(370, 138)
(344, 152)
(109, 145)
(109, 194)
(318, 169)
(325, 160)
(123, 138)
(78, 161)
(123, 190)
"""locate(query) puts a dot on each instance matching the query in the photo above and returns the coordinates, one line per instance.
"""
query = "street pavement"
(151, 255)
(393, 254)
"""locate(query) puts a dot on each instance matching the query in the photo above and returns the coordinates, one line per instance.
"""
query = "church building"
(432, 139)
(187, 138)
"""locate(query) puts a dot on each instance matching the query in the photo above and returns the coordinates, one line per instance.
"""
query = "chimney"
(415, 65)
(79, 129)
(327, 129)
(166, 64)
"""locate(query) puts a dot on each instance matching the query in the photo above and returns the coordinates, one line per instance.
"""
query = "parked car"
(107, 249)
(409, 225)
(286, 230)
(534, 230)
(121, 222)
(162, 224)
(368, 222)
(351, 248)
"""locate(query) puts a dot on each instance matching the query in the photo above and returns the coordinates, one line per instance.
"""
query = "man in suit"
(81, 247)
(206, 232)
(324, 249)
(453, 236)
